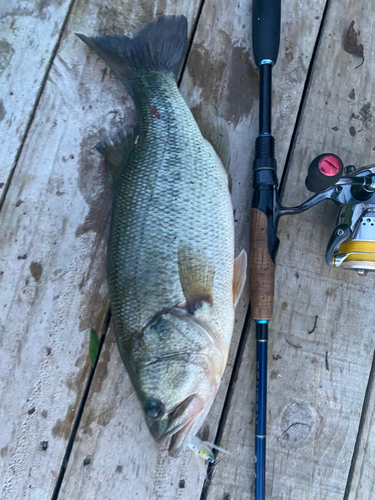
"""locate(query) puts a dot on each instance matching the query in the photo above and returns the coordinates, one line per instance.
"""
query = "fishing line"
(318, 382)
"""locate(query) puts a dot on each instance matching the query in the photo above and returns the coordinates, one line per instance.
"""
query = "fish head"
(179, 370)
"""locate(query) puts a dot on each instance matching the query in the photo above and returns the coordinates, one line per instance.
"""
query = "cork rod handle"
(261, 268)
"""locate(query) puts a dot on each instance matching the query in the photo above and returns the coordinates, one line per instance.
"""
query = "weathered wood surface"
(362, 483)
(220, 81)
(54, 227)
(29, 32)
(318, 380)
(52, 260)
(213, 88)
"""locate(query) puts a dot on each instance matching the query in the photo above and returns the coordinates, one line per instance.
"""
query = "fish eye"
(154, 408)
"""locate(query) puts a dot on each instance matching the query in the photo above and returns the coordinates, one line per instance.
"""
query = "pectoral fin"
(196, 277)
(239, 276)
(117, 148)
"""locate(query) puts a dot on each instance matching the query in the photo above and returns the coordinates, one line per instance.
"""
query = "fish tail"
(159, 46)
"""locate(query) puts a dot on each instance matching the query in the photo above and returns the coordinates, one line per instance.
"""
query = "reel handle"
(266, 30)
(324, 171)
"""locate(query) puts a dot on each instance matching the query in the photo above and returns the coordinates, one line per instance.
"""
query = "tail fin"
(158, 46)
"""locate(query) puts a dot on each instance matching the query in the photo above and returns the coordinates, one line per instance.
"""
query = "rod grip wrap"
(264, 165)
(261, 267)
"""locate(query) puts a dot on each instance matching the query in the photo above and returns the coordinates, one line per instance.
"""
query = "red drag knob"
(330, 165)
(324, 171)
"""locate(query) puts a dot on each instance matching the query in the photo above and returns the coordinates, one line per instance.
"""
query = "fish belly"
(172, 193)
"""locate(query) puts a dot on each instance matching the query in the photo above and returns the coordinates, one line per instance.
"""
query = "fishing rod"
(352, 243)
(263, 239)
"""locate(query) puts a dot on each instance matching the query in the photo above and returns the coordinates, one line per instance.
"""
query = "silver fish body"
(170, 258)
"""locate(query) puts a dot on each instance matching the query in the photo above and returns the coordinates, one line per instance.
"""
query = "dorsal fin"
(117, 147)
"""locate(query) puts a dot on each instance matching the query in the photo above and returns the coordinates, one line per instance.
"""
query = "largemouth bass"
(173, 282)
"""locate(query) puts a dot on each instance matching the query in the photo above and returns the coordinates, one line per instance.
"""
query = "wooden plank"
(216, 41)
(317, 381)
(29, 33)
(220, 81)
(361, 484)
(52, 260)
(113, 455)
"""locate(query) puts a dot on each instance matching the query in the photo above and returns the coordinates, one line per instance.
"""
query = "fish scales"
(159, 207)
(172, 278)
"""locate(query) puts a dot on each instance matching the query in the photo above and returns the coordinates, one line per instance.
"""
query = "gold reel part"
(364, 251)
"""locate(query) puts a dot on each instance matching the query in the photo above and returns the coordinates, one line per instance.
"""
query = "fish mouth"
(179, 423)
(180, 439)
(181, 433)
(160, 435)
(186, 431)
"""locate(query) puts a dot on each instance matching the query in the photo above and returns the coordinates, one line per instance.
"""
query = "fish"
(172, 278)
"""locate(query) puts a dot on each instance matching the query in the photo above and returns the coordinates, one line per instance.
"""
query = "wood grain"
(54, 227)
(317, 381)
(29, 33)
(207, 69)
(361, 484)
(261, 268)
(124, 460)
(53, 230)
(221, 83)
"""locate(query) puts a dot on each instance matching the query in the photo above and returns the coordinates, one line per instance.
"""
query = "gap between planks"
(82, 404)
(365, 408)
(37, 99)
(305, 92)
(247, 323)
(228, 399)
(105, 327)
(190, 42)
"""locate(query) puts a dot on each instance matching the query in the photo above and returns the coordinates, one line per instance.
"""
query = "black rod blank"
(265, 99)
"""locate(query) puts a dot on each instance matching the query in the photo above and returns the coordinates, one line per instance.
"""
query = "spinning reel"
(352, 244)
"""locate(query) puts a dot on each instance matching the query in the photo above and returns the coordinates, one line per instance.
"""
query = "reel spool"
(352, 244)
(359, 252)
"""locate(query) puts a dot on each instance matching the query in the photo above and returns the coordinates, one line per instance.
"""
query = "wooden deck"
(57, 415)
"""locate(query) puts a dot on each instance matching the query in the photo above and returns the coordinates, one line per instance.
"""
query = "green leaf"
(94, 347)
